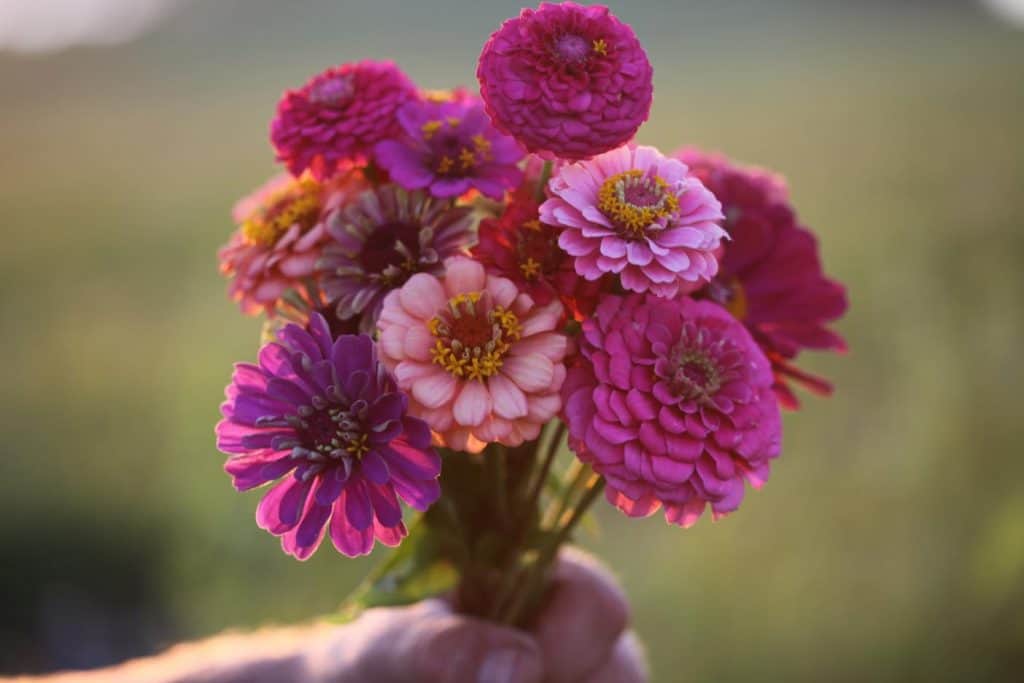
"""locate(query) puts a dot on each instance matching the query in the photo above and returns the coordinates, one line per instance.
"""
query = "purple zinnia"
(449, 148)
(566, 80)
(338, 116)
(323, 419)
(382, 239)
(672, 403)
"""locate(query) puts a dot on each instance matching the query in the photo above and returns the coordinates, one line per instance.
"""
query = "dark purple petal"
(385, 504)
(281, 509)
(250, 471)
(374, 468)
(349, 541)
(358, 508)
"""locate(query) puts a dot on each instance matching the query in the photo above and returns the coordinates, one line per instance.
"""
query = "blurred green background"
(889, 543)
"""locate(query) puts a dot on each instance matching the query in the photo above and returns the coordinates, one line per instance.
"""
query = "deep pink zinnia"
(323, 419)
(280, 236)
(448, 148)
(671, 401)
(636, 213)
(517, 245)
(337, 117)
(771, 276)
(566, 80)
(481, 361)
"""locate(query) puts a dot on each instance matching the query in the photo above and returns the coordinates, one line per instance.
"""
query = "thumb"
(426, 642)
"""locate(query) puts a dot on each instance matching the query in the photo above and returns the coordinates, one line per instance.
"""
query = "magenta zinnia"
(482, 362)
(323, 419)
(448, 148)
(336, 118)
(672, 402)
(636, 213)
(771, 276)
(566, 80)
(280, 235)
(383, 238)
(517, 245)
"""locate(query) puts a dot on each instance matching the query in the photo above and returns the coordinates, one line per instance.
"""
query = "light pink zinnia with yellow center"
(482, 363)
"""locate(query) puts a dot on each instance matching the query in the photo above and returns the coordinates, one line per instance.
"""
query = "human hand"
(580, 637)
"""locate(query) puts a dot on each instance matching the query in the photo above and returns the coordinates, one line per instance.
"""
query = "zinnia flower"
(325, 421)
(636, 213)
(449, 147)
(481, 361)
(566, 80)
(672, 403)
(771, 276)
(517, 245)
(280, 235)
(338, 116)
(382, 239)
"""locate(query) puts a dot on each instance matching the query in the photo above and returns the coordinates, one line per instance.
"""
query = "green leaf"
(414, 571)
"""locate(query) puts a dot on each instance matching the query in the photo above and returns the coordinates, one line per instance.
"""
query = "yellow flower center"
(600, 47)
(634, 200)
(297, 203)
(472, 337)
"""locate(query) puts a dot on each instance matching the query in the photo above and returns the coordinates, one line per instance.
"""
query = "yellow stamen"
(454, 121)
(532, 225)
(600, 47)
(531, 269)
(298, 202)
(445, 165)
(429, 128)
(611, 200)
(467, 158)
(358, 447)
(483, 146)
(484, 358)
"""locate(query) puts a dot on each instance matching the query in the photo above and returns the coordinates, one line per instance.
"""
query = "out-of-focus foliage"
(889, 544)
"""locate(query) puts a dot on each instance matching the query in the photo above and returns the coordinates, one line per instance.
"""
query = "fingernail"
(511, 665)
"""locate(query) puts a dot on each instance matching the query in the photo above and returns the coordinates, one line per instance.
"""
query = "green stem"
(576, 475)
(528, 594)
(545, 469)
(545, 176)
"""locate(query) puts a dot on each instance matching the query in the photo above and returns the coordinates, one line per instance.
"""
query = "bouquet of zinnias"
(456, 285)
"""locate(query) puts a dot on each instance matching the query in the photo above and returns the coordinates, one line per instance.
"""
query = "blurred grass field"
(889, 543)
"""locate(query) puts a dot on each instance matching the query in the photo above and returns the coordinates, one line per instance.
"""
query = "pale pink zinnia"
(482, 363)
(566, 80)
(280, 237)
(636, 213)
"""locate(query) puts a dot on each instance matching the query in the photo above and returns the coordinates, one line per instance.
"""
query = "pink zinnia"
(449, 147)
(338, 116)
(566, 80)
(481, 361)
(280, 236)
(771, 276)
(517, 245)
(672, 403)
(636, 213)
